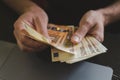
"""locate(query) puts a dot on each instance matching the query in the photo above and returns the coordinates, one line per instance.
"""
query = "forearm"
(111, 13)
(21, 6)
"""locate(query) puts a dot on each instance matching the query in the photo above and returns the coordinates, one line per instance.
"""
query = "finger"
(25, 40)
(27, 48)
(41, 27)
(19, 27)
(98, 32)
(32, 43)
(20, 32)
(80, 33)
(18, 41)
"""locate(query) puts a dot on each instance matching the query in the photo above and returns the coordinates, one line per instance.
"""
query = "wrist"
(31, 7)
(106, 15)
(36, 12)
(24, 6)
(111, 13)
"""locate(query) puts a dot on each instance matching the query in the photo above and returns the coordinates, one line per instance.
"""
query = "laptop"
(18, 65)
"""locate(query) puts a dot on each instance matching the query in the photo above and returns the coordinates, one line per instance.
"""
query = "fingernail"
(76, 39)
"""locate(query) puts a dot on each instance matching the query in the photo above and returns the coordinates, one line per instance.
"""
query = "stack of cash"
(62, 49)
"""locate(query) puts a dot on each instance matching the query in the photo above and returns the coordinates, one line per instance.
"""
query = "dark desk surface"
(17, 65)
(112, 57)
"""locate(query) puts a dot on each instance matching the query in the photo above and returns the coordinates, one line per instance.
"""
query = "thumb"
(41, 27)
(80, 33)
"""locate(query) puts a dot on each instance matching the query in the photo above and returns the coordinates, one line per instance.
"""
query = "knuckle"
(88, 23)
(18, 26)
(22, 39)
(85, 29)
(15, 24)
(21, 46)
(99, 37)
(91, 11)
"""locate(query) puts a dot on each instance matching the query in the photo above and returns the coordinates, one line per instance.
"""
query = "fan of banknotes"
(62, 49)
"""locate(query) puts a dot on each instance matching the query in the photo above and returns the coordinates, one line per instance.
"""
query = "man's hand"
(37, 19)
(92, 23)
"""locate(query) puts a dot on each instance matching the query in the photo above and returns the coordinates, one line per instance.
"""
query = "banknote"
(62, 49)
(59, 35)
(89, 47)
(34, 34)
(99, 50)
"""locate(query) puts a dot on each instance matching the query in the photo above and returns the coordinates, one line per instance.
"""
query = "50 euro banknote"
(63, 49)
(59, 36)
(89, 47)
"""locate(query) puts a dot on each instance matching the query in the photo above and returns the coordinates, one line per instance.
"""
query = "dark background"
(59, 12)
